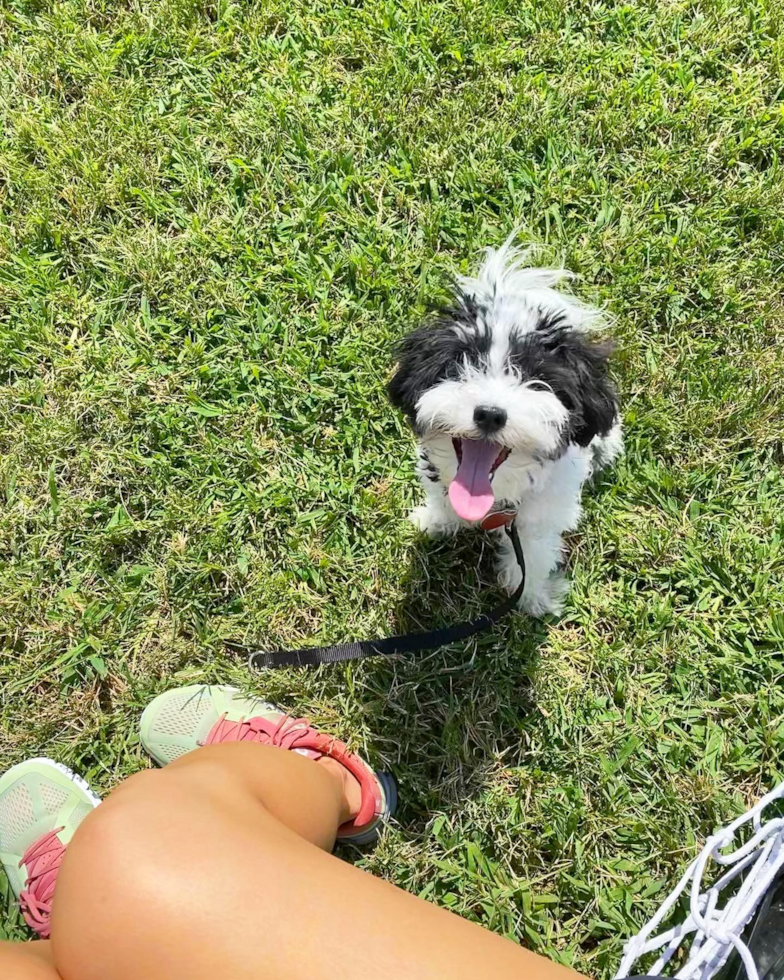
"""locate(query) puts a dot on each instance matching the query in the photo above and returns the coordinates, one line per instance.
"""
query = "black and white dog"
(509, 393)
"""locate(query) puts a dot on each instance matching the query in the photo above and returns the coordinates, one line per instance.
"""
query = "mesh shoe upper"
(40, 802)
(180, 720)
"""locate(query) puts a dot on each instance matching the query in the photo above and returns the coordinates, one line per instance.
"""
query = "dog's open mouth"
(471, 491)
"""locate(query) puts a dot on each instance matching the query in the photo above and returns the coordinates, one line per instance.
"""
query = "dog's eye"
(450, 371)
(538, 386)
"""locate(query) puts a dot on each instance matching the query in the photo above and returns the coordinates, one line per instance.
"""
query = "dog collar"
(496, 519)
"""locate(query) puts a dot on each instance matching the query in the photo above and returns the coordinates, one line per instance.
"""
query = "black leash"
(390, 645)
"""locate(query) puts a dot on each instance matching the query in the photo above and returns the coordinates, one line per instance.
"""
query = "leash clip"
(260, 660)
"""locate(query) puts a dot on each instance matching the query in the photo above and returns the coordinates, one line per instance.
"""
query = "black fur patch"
(436, 351)
(576, 369)
(428, 467)
(550, 322)
(466, 313)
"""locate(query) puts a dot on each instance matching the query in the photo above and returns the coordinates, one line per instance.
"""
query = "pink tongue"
(471, 493)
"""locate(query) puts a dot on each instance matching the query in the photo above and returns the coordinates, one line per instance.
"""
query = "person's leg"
(27, 961)
(216, 867)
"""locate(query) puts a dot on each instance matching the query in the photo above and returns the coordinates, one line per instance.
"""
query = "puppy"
(509, 393)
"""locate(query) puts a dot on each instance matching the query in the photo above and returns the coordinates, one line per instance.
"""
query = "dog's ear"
(584, 385)
(426, 356)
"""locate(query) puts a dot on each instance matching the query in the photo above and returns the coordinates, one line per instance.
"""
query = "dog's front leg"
(543, 517)
(435, 517)
(546, 587)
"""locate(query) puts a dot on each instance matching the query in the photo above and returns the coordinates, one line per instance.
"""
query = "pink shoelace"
(288, 733)
(295, 734)
(43, 859)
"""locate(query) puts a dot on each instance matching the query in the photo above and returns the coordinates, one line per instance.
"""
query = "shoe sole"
(389, 788)
(58, 767)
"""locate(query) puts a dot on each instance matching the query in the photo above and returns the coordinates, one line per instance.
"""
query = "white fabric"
(716, 930)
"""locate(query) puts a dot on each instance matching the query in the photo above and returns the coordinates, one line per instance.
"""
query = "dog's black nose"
(489, 419)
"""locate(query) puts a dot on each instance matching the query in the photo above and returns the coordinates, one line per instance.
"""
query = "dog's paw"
(549, 598)
(431, 521)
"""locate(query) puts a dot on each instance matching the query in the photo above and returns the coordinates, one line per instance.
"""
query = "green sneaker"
(181, 720)
(41, 805)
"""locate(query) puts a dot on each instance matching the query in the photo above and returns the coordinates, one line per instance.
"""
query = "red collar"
(496, 519)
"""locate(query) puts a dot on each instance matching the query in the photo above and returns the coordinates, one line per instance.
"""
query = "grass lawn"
(216, 220)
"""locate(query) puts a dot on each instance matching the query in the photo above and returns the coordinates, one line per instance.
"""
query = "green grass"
(216, 220)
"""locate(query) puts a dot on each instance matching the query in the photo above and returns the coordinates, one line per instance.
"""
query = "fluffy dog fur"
(515, 363)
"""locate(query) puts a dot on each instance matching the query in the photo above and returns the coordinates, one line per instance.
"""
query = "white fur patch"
(515, 291)
(535, 417)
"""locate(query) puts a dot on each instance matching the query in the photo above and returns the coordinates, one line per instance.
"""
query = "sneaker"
(41, 805)
(183, 719)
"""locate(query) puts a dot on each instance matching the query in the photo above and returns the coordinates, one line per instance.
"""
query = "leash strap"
(390, 645)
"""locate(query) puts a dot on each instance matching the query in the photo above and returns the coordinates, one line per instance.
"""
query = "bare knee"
(121, 834)
(142, 870)
(123, 876)
(139, 841)
(111, 850)
(196, 777)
